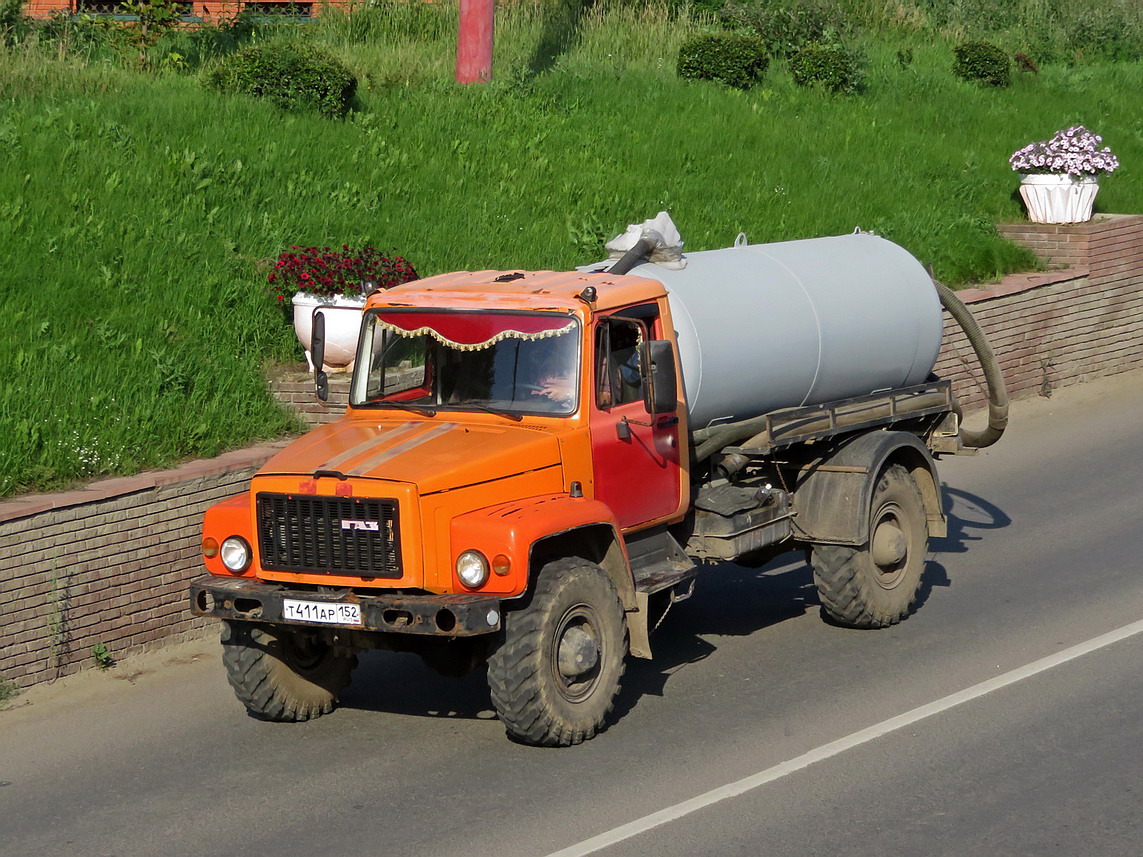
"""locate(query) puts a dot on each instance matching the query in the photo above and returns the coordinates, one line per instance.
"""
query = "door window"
(619, 376)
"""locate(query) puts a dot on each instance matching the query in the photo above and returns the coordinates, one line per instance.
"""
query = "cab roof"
(515, 289)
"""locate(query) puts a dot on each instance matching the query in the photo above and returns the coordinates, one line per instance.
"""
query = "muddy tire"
(555, 671)
(283, 674)
(874, 585)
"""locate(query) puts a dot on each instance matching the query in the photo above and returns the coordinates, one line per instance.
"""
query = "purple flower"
(1073, 151)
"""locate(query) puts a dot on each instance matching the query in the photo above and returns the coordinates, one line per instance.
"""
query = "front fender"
(230, 517)
(510, 530)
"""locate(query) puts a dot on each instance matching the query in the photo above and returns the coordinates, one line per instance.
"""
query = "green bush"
(14, 26)
(707, 6)
(1099, 30)
(290, 75)
(8, 690)
(832, 67)
(731, 58)
(787, 25)
(975, 16)
(1052, 31)
(83, 36)
(983, 62)
(205, 43)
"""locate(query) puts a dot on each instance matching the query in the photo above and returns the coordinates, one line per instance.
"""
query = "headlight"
(235, 553)
(472, 569)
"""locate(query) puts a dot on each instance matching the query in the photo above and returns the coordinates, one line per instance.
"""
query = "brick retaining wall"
(110, 563)
(1059, 327)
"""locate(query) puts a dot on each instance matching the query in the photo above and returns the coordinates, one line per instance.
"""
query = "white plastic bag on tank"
(667, 249)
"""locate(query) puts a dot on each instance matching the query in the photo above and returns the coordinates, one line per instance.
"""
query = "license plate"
(322, 612)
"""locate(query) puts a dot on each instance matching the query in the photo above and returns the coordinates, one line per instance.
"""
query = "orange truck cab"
(498, 422)
(514, 483)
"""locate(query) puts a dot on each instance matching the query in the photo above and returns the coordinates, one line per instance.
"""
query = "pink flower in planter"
(1073, 151)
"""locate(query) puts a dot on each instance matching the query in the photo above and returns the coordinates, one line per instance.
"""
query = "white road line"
(834, 748)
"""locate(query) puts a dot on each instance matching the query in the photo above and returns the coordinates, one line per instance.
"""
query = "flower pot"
(1056, 198)
(342, 327)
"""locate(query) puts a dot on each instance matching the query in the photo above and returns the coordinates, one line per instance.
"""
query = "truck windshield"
(512, 363)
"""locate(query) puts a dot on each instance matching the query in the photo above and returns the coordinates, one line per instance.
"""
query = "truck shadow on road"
(399, 683)
(967, 514)
(729, 601)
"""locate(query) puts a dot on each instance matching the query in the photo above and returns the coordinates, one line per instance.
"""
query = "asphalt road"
(758, 729)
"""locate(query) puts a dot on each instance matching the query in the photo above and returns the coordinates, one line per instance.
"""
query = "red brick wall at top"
(44, 8)
(212, 10)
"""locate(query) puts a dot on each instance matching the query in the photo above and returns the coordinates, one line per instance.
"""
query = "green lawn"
(138, 213)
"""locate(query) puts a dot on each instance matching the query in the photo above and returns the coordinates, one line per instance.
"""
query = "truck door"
(635, 454)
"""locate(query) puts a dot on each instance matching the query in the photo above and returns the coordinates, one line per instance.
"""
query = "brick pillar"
(1115, 249)
(1105, 240)
(293, 386)
(1057, 245)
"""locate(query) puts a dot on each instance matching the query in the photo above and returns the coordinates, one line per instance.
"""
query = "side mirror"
(658, 362)
(317, 354)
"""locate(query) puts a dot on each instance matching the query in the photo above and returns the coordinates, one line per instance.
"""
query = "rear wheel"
(874, 585)
(555, 673)
(284, 674)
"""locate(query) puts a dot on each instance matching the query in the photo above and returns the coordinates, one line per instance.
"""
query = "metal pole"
(474, 41)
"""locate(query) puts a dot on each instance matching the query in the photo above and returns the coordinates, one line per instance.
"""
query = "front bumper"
(459, 615)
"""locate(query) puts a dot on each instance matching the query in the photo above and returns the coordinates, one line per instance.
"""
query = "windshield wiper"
(479, 406)
(427, 410)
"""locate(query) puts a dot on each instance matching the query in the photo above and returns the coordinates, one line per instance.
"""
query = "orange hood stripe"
(400, 449)
(366, 445)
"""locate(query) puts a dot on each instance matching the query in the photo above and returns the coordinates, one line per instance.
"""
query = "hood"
(433, 455)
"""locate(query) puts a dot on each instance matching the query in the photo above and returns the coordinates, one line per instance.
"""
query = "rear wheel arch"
(924, 472)
(833, 494)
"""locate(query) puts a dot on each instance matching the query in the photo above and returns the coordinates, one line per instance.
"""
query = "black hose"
(997, 392)
(632, 257)
(711, 440)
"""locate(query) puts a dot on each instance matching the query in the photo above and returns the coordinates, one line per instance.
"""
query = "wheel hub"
(578, 653)
(305, 651)
(889, 545)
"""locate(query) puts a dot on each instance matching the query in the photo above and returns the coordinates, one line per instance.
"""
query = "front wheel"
(874, 585)
(283, 674)
(555, 673)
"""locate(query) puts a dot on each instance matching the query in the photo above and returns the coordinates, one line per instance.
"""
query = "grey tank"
(767, 326)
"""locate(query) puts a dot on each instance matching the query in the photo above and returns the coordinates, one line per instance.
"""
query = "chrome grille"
(328, 535)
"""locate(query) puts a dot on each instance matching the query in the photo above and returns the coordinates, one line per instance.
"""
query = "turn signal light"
(501, 564)
(209, 547)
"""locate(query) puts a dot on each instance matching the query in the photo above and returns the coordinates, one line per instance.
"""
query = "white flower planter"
(1058, 198)
(342, 327)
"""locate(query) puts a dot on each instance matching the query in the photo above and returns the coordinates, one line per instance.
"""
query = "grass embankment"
(137, 213)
